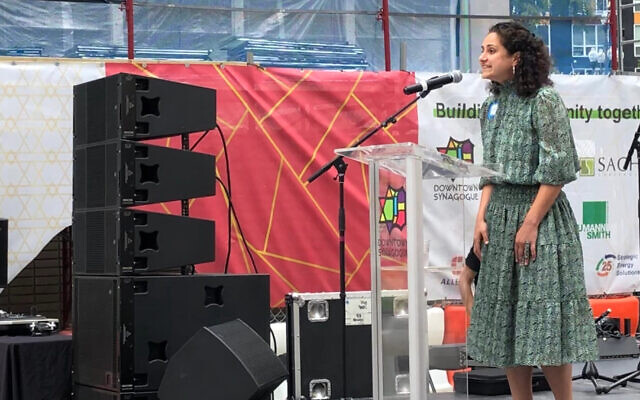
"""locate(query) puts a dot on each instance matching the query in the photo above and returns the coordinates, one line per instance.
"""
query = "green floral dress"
(536, 314)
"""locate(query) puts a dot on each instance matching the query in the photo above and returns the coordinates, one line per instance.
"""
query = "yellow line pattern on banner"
(285, 96)
(143, 69)
(278, 81)
(328, 130)
(277, 149)
(225, 123)
(373, 117)
(233, 133)
(305, 263)
(273, 206)
(358, 266)
(233, 224)
(165, 208)
(263, 255)
(243, 250)
(365, 180)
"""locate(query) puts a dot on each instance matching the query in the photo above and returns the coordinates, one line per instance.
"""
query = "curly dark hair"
(534, 64)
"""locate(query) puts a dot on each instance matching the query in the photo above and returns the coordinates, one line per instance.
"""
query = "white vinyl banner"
(604, 113)
(36, 133)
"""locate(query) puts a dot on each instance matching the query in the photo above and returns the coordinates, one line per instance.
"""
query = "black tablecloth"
(35, 368)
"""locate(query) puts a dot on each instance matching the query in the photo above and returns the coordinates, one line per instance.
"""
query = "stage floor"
(582, 389)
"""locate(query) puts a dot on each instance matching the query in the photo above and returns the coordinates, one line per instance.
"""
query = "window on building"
(587, 37)
(602, 6)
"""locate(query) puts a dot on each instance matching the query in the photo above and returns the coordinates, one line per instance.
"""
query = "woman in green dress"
(531, 307)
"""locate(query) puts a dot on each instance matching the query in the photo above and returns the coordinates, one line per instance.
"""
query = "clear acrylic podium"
(400, 349)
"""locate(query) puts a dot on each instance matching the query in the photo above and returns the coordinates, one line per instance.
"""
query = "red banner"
(280, 126)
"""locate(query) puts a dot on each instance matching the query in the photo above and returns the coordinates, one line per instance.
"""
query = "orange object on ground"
(455, 324)
(450, 373)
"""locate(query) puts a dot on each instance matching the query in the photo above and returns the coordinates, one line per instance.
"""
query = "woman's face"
(496, 63)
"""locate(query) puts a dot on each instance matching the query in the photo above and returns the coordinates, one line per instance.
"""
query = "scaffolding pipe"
(384, 17)
(129, 13)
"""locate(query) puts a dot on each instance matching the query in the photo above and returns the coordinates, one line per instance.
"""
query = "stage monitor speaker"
(124, 241)
(227, 361)
(126, 173)
(126, 329)
(126, 106)
(81, 392)
(4, 249)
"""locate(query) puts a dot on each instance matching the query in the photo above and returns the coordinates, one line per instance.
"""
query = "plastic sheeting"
(434, 42)
(56, 27)
(59, 27)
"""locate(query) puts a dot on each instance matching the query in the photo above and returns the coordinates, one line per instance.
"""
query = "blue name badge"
(493, 109)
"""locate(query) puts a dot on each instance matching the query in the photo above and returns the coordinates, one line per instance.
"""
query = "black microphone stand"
(621, 380)
(341, 167)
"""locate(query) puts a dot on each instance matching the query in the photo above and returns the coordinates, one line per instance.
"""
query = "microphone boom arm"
(389, 121)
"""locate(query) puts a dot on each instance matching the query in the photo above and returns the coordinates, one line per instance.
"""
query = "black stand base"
(621, 380)
(590, 372)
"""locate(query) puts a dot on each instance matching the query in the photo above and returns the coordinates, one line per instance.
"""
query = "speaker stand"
(590, 372)
(621, 380)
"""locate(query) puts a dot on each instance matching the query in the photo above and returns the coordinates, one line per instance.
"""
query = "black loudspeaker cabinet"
(125, 329)
(126, 106)
(81, 392)
(228, 361)
(126, 173)
(124, 241)
(4, 248)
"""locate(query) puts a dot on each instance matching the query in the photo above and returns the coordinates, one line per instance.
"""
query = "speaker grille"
(95, 170)
(95, 241)
(249, 348)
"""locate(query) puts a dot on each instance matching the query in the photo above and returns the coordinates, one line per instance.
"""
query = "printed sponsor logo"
(393, 212)
(618, 265)
(595, 220)
(606, 166)
(605, 265)
(462, 150)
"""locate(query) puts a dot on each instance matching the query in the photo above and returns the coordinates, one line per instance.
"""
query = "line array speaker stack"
(132, 310)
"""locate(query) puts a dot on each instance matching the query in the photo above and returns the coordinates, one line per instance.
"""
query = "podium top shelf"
(434, 165)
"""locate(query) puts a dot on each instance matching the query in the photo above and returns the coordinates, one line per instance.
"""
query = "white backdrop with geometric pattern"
(36, 134)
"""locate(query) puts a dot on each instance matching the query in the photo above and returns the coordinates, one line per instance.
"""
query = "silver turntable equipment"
(23, 324)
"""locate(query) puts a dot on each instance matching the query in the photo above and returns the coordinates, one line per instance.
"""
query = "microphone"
(434, 83)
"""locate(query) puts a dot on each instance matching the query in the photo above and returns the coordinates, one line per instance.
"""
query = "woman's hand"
(480, 237)
(525, 244)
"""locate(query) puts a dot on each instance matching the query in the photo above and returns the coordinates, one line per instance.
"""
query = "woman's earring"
(513, 68)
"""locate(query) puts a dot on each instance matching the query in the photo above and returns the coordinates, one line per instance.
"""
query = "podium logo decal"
(462, 150)
(393, 208)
